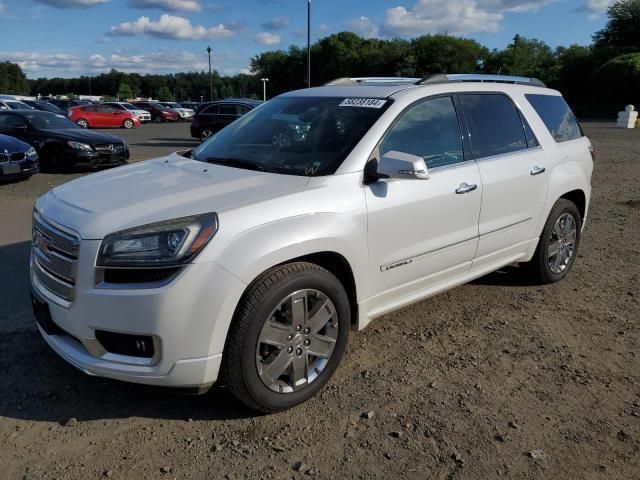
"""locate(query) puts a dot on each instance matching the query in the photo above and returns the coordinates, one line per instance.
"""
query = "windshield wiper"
(241, 163)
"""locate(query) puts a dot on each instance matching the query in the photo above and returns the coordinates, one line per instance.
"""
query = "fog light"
(126, 344)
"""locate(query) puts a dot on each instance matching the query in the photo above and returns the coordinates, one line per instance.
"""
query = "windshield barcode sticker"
(363, 102)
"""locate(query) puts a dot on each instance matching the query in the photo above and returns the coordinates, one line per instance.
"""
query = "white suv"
(249, 258)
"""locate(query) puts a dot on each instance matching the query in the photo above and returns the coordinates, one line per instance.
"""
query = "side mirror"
(402, 165)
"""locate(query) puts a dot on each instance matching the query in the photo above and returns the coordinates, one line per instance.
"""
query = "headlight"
(80, 146)
(168, 243)
(31, 154)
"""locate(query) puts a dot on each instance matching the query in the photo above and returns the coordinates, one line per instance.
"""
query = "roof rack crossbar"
(474, 77)
(373, 80)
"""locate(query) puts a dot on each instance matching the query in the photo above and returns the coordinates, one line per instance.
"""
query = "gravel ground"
(497, 378)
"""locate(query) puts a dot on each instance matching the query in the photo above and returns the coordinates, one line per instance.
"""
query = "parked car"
(44, 106)
(17, 159)
(192, 105)
(14, 105)
(252, 261)
(102, 116)
(183, 112)
(65, 105)
(214, 116)
(60, 143)
(142, 115)
(159, 113)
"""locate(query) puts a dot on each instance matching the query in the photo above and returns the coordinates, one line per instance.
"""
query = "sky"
(68, 38)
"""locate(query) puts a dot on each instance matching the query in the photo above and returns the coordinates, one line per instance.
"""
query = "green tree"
(125, 92)
(12, 79)
(164, 94)
(623, 28)
(533, 58)
(447, 54)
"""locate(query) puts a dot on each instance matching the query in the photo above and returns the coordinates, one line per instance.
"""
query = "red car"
(100, 116)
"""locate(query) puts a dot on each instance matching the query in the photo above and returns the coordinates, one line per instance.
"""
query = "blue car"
(17, 158)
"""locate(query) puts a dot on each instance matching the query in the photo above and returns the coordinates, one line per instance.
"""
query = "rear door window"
(494, 123)
(557, 116)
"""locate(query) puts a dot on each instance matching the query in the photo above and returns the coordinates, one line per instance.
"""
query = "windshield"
(19, 106)
(158, 106)
(294, 135)
(49, 107)
(50, 121)
(128, 106)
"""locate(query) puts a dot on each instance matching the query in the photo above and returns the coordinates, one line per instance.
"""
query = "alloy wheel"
(562, 243)
(297, 341)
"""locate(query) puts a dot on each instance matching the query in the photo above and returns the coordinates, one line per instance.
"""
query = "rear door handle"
(537, 170)
(466, 188)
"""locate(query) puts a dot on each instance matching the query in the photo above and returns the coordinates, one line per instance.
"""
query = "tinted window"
(429, 130)
(495, 124)
(89, 109)
(557, 116)
(532, 141)
(211, 109)
(227, 109)
(8, 122)
(105, 109)
(242, 109)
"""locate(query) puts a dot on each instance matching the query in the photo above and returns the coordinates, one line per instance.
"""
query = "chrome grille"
(109, 147)
(55, 256)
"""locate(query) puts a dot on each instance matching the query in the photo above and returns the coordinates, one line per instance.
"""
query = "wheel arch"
(579, 198)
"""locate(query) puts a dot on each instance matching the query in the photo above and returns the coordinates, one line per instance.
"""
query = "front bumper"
(26, 169)
(85, 159)
(187, 317)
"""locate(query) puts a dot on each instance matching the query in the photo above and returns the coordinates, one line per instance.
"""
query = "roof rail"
(474, 77)
(373, 80)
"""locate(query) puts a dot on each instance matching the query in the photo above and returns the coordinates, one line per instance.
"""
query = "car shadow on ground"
(37, 385)
(511, 276)
(182, 144)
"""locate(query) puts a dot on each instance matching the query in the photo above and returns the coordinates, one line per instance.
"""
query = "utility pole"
(264, 88)
(516, 39)
(309, 43)
(210, 78)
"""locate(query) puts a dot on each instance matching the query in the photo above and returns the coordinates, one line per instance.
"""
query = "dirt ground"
(497, 378)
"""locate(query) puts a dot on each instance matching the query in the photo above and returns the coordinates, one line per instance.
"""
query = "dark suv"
(159, 113)
(214, 116)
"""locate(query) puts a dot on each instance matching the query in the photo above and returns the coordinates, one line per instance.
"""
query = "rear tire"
(277, 354)
(558, 245)
(206, 133)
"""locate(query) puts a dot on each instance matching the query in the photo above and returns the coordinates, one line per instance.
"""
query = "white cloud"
(595, 7)
(167, 5)
(364, 27)
(277, 23)
(2, 8)
(71, 3)
(65, 65)
(266, 38)
(456, 17)
(170, 26)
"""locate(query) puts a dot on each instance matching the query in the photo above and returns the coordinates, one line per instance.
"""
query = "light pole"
(309, 43)
(210, 79)
(516, 39)
(264, 88)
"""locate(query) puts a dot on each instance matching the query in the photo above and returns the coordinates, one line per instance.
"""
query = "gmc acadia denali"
(249, 258)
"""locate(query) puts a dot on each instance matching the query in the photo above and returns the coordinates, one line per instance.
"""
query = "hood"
(12, 145)
(157, 190)
(84, 136)
(138, 112)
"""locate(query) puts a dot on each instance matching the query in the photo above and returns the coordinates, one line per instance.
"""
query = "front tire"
(558, 245)
(83, 123)
(288, 335)
(128, 124)
(206, 133)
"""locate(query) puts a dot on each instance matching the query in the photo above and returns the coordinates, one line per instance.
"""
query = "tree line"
(597, 79)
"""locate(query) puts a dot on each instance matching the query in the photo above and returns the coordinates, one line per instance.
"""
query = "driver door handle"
(466, 188)
(537, 170)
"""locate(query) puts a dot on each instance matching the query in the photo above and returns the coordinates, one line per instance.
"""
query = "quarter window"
(557, 116)
(494, 123)
(429, 130)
